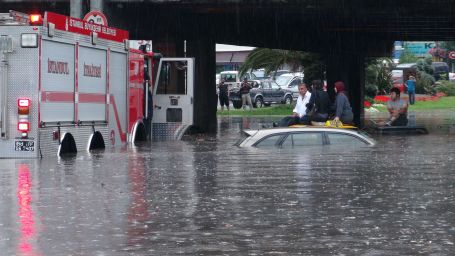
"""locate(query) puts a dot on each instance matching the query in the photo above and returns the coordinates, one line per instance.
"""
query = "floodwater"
(205, 196)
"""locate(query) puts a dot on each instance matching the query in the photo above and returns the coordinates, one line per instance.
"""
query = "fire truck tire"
(68, 145)
(97, 141)
(140, 134)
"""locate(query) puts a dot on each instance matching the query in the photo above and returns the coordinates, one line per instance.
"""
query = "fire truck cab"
(68, 85)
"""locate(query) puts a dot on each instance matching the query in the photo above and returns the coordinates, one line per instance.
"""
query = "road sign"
(452, 55)
(96, 17)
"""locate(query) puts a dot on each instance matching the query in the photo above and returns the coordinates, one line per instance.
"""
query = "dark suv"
(263, 93)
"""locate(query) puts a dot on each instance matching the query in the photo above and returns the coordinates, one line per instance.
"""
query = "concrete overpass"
(345, 32)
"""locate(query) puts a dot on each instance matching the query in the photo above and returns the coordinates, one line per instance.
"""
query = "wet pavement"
(205, 196)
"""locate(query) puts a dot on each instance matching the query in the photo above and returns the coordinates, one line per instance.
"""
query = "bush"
(425, 83)
(446, 87)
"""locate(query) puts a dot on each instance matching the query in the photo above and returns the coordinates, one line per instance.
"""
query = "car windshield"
(283, 80)
(229, 77)
(259, 73)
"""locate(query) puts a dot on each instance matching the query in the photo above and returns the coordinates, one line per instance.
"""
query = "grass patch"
(442, 103)
(285, 110)
(274, 110)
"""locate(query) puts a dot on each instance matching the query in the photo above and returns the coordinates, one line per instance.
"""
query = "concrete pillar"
(96, 5)
(205, 100)
(351, 70)
(76, 9)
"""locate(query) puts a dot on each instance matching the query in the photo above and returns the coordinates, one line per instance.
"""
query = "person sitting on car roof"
(299, 110)
(343, 110)
(398, 109)
(319, 105)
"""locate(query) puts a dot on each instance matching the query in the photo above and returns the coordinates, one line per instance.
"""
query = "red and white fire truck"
(68, 85)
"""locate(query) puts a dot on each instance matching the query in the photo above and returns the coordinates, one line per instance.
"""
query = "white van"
(232, 79)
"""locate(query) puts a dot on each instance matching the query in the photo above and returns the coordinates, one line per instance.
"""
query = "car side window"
(303, 139)
(275, 86)
(295, 83)
(265, 85)
(344, 139)
(268, 142)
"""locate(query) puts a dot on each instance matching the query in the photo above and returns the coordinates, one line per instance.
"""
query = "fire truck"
(67, 85)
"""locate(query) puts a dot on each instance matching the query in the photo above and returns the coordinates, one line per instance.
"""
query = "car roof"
(268, 131)
(257, 135)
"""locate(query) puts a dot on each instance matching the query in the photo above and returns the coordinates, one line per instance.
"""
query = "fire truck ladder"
(14, 18)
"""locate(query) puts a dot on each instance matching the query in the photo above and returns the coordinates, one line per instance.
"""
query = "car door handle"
(157, 107)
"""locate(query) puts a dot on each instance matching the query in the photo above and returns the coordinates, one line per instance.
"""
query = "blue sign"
(419, 49)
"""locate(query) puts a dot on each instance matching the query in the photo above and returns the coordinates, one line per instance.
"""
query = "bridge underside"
(344, 32)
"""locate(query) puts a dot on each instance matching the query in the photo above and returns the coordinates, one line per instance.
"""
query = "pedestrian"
(245, 92)
(343, 110)
(398, 110)
(299, 110)
(223, 95)
(411, 86)
(318, 106)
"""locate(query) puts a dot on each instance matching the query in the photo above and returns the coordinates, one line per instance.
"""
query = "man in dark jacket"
(319, 105)
(223, 95)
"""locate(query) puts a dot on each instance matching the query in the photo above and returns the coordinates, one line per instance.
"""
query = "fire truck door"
(173, 94)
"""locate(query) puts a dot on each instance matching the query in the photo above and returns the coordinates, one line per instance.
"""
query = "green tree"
(272, 59)
(378, 78)
(449, 45)
(425, 79)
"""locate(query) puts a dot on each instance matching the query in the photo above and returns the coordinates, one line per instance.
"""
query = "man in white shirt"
(299, 110)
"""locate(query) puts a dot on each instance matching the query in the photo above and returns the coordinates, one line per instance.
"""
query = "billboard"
(419, 49)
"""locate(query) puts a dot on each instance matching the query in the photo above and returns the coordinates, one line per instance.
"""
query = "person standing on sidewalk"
(245, 92)
(223, 95)
(411, 86)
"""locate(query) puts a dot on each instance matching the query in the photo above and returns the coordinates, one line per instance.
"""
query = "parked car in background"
(273, 75)
(263, 93)
(290, 82)
(233, 80)
(441, 71)
(299, 137)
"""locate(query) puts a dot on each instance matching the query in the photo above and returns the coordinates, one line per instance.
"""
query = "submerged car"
(296, 137)
(263, 93)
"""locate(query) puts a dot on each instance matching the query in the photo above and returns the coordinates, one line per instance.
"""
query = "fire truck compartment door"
(173, 96)
(57, 82)
(92, 84)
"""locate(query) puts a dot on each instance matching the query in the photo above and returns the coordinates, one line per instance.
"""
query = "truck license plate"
(24, 145)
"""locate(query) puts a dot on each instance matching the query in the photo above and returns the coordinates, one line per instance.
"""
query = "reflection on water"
(25, 212)
(204, 196)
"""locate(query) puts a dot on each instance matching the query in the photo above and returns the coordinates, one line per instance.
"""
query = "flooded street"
(205, 196)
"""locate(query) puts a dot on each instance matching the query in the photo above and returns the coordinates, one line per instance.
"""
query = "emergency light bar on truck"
(67, 84)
